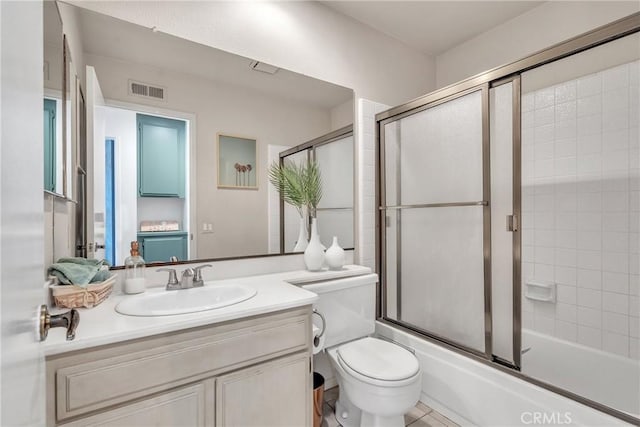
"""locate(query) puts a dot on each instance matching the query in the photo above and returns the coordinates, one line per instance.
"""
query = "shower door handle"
(512, 223)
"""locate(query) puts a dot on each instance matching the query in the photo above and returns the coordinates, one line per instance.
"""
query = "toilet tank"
(348, 305)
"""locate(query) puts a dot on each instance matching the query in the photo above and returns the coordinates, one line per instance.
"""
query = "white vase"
(314, 254)
(334, 256)
(301, 243)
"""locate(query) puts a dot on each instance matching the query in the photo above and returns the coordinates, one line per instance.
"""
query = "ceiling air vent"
(146, 90)
(263, 68)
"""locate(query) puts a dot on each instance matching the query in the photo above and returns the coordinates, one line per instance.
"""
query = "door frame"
(190, 158)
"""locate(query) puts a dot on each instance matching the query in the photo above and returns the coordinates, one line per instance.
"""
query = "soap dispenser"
(134, 282)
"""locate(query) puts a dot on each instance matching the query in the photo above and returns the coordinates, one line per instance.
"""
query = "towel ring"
(324, 323)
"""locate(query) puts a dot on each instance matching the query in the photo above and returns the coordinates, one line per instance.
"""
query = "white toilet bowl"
(378, 383)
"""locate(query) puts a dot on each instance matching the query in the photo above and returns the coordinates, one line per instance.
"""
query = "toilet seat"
(378, 362)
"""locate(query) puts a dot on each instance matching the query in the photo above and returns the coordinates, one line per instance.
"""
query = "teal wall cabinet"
(161, 157)
(160, 246)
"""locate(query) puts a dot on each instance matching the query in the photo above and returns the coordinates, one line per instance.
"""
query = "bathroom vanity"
(245, 364)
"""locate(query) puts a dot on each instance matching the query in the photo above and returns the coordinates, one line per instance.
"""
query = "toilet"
(379, 381)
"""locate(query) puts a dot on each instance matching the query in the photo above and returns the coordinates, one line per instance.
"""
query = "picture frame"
(237, 160)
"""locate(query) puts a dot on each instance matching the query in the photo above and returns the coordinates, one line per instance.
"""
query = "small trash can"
(318, 399)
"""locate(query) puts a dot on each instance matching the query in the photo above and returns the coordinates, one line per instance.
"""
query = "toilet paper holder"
(316, 338)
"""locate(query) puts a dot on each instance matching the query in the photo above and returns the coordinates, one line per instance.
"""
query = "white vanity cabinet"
(252, 371)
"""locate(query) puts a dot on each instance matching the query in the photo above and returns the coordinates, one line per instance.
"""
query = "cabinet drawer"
(101, 378)
(184, 407)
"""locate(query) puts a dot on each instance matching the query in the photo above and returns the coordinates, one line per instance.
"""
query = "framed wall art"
(237, 162)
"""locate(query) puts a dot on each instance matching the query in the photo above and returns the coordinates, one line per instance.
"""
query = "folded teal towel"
(101, 276)
(79, 271)
(84, 261)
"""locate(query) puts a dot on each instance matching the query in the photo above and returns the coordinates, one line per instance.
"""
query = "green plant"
(299, 185)
(287, 178)
(312, 182)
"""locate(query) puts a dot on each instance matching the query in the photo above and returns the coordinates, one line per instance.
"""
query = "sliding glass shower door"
(509, 218)
(436, 219)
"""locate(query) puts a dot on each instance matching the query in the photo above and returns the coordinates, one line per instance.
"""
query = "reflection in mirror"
(333, 153)
(188, 212)
(53, 79)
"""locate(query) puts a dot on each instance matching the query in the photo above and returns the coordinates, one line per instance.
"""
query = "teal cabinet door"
(49, 145)
(160, 248)
(161, 157)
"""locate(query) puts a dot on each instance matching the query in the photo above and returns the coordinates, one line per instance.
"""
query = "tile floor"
(420, 416)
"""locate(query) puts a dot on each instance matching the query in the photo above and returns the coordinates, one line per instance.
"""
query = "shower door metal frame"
(597, 37)
(516, 213)
(486, 218)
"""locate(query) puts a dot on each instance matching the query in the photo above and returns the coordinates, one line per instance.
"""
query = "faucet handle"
(198, 277)
(172, 283)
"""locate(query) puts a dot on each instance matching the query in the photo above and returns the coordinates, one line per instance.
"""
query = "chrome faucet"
(186, 280)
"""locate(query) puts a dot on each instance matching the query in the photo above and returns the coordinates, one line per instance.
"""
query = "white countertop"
(103, 325)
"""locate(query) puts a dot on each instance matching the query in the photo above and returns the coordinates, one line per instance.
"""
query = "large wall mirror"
(156, 105)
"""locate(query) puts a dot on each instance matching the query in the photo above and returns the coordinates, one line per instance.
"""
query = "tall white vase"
(301, 243)
(314, 254)
(334, 256)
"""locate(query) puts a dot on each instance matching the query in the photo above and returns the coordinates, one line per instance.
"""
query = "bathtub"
(604, 377)
(474, 393)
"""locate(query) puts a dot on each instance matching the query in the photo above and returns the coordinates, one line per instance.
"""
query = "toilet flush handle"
(316, 339)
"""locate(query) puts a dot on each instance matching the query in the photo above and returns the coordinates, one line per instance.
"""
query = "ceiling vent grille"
(146, 90)
(263, 68)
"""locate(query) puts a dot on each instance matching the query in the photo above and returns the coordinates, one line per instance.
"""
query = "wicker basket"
(71, 296)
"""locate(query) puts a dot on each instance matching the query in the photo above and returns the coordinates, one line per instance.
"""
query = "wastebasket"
(318, 399)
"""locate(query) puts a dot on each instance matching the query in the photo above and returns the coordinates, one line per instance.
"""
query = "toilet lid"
(379, 359)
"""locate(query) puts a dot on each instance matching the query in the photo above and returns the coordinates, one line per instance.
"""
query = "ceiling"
(432, 27)
(107, 36)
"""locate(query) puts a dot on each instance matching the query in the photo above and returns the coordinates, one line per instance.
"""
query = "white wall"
(342, 115)
(548, 24)
(120, 125)
(305, 37)
(365, 139)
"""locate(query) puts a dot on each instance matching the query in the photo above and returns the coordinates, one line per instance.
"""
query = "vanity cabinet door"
(191, 406)
(276, 393)
(162, 247)
(161, 157)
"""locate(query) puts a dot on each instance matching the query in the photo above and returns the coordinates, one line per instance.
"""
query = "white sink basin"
(166, 303)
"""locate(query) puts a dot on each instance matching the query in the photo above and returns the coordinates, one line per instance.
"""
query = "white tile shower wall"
(580, 206)
(365, 142)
